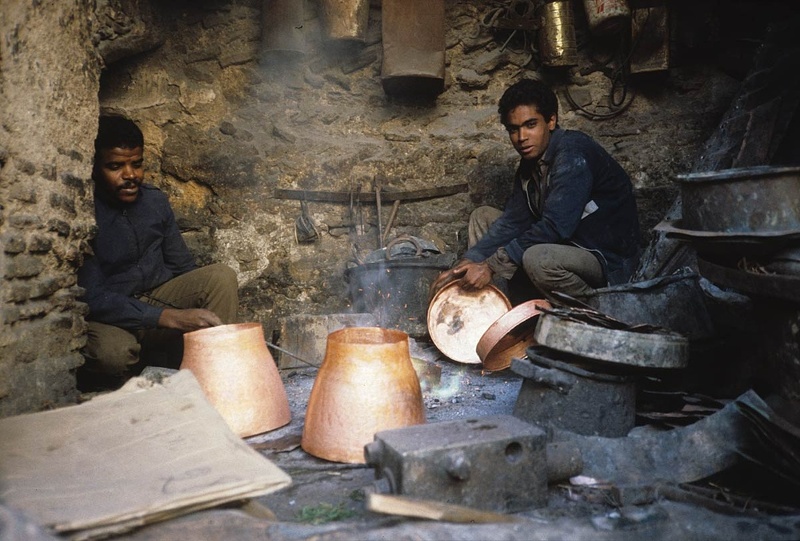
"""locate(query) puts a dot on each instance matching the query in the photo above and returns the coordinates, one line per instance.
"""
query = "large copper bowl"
(510, 336)
(366, 384)
(239, 376)
(458, 318)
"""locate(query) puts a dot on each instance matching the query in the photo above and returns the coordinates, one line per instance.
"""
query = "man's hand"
(476, 276)
(188, 319)
(472, 275)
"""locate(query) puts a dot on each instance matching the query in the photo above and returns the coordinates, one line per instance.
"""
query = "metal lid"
(645, 349)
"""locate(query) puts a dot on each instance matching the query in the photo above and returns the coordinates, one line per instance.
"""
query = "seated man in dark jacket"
(570, 223)
(142, 284)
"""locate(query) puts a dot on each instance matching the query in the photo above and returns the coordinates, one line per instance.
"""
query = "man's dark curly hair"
(528, 92)
(117, 132)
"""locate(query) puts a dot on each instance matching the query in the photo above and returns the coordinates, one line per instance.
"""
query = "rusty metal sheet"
(721, 243)
(776, 286)
(413, 46)
(675, 302)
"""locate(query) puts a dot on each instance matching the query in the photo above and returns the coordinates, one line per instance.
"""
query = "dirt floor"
(326, 499)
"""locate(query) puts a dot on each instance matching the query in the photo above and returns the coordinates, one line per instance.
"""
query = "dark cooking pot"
(396, 290)
(749, 200)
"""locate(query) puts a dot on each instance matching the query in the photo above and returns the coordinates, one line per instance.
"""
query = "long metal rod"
(289, 353)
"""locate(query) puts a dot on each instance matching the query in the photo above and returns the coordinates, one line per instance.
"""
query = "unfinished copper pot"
(239, 376)
(366, 384)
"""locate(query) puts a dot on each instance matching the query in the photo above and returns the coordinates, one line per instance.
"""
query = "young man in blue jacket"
(571, 222)
(141, 282)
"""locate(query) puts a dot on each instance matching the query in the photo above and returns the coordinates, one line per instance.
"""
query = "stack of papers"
(142, 454)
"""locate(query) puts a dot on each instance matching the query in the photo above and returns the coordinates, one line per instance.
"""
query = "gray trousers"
(114, 351)
(551, 267)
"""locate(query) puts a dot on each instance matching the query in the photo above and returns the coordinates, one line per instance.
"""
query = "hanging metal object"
(283, 24)
(557, 43)
(649, 36)
(413, 47)
(345, 19)
(305, 230)
(606, 16)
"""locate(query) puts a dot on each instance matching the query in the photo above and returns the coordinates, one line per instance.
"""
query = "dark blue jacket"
(588, 202)
(137, 247)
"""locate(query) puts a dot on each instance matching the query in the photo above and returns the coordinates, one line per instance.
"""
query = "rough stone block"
(306, 336)
(17, 292)
(26, 194)
(44, 287)
(62, 202)
(13, 242)
(39, 244)
(24, 221)
(24, 266)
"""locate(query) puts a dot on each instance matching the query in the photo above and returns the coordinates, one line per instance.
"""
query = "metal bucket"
(568, 396)
(606, 16)
(413, 47)
(557, 43)
(747, 200)
(345, 19)
(396, 290)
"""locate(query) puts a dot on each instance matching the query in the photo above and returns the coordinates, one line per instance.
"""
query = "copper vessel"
(239, 376)
(346, 19)
(366, 384)
(457, 319)
(510, 336)
(557, 42)
(413, 38)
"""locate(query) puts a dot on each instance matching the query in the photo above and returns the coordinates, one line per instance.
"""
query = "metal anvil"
(498, 463)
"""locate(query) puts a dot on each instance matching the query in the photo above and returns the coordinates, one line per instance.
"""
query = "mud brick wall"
(49, 78)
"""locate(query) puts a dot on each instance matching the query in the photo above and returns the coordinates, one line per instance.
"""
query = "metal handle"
(402, 238)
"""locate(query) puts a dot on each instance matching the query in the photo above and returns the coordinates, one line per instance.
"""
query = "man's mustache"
(128, 185)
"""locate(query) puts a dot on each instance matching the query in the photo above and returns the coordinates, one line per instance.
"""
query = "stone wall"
(49, 79)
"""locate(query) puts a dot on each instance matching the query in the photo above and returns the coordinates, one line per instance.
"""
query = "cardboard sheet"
(142, 454)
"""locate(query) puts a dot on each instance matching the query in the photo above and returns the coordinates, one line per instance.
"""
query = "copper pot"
(238, 376)
(366, 384)
(346, 19)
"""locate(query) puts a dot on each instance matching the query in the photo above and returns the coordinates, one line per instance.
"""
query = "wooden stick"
(390, 222)
(411, 507)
